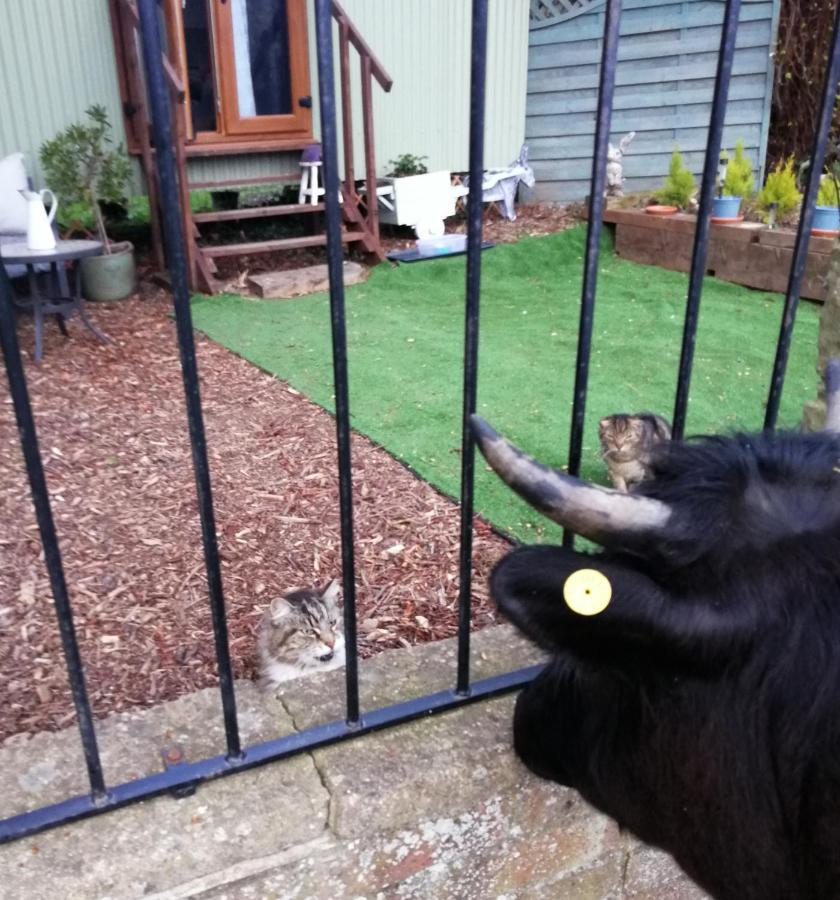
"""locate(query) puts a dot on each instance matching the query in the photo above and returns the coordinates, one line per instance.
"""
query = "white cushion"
(13, 210)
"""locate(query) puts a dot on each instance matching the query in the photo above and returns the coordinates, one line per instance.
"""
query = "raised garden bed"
(746, 253)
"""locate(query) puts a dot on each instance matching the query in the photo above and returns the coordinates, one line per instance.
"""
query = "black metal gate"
(104, 797)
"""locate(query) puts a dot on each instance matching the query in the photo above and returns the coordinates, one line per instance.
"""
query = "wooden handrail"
(356, 39)
(172, 76)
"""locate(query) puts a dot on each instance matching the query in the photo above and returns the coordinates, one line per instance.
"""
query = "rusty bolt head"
(172, 754)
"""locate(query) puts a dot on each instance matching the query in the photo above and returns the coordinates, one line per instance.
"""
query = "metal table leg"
(37, 311)
(63, 290)
(80, 306)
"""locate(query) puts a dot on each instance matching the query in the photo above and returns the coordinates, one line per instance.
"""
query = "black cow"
(701, 707)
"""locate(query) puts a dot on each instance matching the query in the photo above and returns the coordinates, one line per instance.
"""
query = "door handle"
(305, 102)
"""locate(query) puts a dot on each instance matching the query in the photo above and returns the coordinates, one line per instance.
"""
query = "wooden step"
(257, 212)
(232, 184)
(315, 240)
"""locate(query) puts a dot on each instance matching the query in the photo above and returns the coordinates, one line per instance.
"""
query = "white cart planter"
(421, 201)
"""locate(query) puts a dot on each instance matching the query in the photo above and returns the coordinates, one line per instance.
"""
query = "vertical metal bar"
(475, 206)
(49, 539)
(701, 233)
(329, 141)
(803, 233)
(606, 89)
(176, 254)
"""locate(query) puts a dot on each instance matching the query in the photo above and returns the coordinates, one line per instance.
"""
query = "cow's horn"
(606, 516)
(832, 396)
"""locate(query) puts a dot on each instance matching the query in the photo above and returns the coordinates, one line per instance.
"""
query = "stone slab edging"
(437, 808)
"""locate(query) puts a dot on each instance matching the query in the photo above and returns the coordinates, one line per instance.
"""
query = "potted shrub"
(83, 168)
(779, 197)
(417, 197)
(407, 164)
(738, 183)
(827, 211)
(677, 189)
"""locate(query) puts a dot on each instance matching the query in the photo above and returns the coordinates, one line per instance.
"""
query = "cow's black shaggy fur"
(701, 708)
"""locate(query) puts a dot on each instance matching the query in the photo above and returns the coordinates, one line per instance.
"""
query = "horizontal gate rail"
(186, 775)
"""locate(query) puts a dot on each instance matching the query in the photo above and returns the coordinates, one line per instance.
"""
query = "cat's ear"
(331, 592)
(279, 609)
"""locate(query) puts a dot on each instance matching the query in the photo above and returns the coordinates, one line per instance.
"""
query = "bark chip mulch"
(113, 437)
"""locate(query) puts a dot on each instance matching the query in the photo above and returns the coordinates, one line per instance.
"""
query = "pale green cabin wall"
(57, 58)
(425, 47)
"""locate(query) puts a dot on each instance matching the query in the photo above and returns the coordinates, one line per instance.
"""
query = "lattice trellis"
(546, 12)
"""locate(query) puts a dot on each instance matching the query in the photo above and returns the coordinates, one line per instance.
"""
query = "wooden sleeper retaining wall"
(746, 253)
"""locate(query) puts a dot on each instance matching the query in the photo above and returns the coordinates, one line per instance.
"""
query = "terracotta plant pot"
(657, 210)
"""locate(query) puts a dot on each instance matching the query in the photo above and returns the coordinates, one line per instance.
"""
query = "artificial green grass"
(405, 334)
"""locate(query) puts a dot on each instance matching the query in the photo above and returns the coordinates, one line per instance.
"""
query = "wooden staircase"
(361, 220)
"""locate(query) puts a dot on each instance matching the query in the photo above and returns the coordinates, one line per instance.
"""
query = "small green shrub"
(828, 193)
(407, 164)
(780, 188)
(83, 169)
(679, 184)
(739, 181)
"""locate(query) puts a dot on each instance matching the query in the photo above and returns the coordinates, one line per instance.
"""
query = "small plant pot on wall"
(726, 209)
(658, 209)
(112, 276)
(826, 221)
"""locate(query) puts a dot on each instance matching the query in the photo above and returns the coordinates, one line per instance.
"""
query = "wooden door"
(263, 67)
(245, 66)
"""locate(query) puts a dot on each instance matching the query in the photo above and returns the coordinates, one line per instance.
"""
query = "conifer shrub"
(678, 188)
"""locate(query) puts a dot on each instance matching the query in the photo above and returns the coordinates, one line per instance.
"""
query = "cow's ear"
(569, 601)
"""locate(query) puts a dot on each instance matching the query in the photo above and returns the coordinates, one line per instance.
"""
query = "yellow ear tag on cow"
(587, 592)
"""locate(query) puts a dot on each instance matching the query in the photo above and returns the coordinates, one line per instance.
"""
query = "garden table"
(57, 299)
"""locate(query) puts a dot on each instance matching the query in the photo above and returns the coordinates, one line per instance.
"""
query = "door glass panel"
(198, 41)
(261, 55)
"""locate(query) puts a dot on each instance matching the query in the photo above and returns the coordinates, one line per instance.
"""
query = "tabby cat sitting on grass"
(627, 445)
(301, 633)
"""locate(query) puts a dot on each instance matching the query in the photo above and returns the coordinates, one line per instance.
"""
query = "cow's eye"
(587, 592)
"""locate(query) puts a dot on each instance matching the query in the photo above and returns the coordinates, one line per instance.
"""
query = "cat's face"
(621, 432)
(303, 629)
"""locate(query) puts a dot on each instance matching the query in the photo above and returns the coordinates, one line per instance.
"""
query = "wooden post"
(370, 157)
(184, 187)
(140, 123)
(346, 109)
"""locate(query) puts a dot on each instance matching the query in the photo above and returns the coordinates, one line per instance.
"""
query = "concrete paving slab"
(439, 808)
(162, 842)
(530, 842)
(297, 282)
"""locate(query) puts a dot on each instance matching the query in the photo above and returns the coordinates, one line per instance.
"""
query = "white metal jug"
(39, 233)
